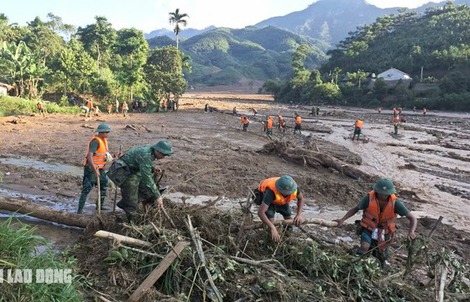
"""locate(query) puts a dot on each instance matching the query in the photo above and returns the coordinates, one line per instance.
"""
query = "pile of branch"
(313, 159)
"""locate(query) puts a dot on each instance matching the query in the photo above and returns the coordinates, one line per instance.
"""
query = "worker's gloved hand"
(109, 157)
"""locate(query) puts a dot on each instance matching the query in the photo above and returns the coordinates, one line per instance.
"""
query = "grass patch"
(18, 251)
(16, 106)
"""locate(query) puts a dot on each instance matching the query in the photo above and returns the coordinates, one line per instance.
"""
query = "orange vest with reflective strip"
(99, 157)
(372, 218)
(269, 124)
(359, 124)
(298, 120)
(278, 199)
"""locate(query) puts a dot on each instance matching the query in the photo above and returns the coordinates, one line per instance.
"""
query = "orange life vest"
(269, 124)
(298, 120)
(124, 106)
(279, 199)
(359, 124)
(372, 218)
(244, 120)
(89, 104)
(99, 157)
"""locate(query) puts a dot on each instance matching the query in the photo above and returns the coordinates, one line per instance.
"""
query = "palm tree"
(178, 19)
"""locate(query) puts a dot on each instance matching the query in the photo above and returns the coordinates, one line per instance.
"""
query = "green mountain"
(226, 56)
(436, 40)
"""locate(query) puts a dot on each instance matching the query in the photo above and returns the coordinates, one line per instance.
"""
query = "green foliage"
(18, 106)
(18, 245)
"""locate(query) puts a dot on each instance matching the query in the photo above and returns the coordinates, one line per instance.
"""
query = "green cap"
(385, 187)
(103, 128)
(286, 185)
(163, 146)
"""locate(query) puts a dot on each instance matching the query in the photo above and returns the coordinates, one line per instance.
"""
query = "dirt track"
(428, 161)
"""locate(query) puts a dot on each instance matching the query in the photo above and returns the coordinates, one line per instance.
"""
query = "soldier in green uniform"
(140, 185)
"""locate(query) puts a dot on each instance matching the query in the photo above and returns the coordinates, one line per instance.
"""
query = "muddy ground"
(428, 161)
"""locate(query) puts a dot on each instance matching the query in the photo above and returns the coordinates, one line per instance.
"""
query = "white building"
(394, 74)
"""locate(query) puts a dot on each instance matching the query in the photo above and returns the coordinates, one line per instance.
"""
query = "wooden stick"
(435, 226)
(319, 221)
(442, 283)
(122, 238)
(198, 245)
(158, 271)
(98, 203)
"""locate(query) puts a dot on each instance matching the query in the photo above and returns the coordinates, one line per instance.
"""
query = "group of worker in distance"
(89, 109)
(397, 118)
(268, 125)
(133, 172)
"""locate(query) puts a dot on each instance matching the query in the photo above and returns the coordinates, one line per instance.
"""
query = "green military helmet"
(385, 187)
(164, 147)
(103, 128)
(286, 185)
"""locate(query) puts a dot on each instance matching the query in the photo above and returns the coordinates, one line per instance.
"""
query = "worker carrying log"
(274, 195)
(134, 174)
(357, 129)
(377, 227)
(96, 157)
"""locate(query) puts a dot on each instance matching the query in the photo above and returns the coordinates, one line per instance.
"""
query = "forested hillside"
(225, 56)
(435, 42)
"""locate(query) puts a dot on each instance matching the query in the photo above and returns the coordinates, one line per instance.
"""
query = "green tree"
(98, 40)
(164, 73)
(75, 66)
(178, 19)
(132, 47)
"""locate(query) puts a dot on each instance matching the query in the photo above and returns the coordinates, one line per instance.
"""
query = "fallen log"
(33, 209)
(318, 221)
(122, 238)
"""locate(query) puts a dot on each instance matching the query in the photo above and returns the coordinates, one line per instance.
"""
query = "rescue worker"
(377, 226)
(298, 123)
(269, 126)
(281, 123)
(234, 111)
(89, 105)
(245, 122)
(125, 108)
(140, 186)
(357, 129)
(109, 108)
(254, 111)
(396, 122)
(116, 104)
(94, 162)
(313, 112)
(41, 108)
(274, 196)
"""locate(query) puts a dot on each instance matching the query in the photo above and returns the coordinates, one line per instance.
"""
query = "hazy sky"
(148, 15)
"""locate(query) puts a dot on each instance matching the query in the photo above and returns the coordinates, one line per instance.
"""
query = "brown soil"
(428, 161)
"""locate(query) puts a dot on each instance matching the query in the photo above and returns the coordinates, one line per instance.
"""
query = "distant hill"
(331, 20)
(184, 34)
(226, 56)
